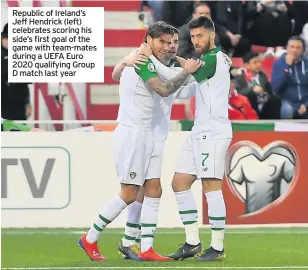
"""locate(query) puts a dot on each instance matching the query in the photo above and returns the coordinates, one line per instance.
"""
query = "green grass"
(245, 248)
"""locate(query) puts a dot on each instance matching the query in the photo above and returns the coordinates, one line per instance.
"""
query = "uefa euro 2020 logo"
(261, 176)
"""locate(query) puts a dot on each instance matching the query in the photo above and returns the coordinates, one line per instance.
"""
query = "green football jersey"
(212, 99)
(136, 100)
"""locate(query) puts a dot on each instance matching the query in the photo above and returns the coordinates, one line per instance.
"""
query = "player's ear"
(149, 40)
(212, 36)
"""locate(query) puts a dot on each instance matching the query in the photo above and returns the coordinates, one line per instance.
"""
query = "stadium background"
(99, 101)
(83, 161)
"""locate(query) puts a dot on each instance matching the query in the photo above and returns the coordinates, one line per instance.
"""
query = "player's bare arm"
(131, 60)
(167, 88)
(168, 73)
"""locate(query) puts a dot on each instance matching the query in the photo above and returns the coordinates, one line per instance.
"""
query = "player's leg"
(149, 216)
(109, 212)
(149, 212)
(140, 198)
(181, 184)
(132, 228)
(211, 171)
(129, 246)
(129, 155)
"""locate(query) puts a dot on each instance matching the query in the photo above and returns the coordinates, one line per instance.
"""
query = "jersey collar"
(173, 63)
(214, 50)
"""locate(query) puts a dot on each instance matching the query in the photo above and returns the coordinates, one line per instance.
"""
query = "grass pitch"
(57, 249)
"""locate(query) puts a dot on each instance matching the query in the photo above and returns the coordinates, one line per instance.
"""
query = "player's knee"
(155, 192)
(140, 195)
(129, 193)
(175, 184)
(128, 198)
(211, 185)
(181, 182)
(153, 188)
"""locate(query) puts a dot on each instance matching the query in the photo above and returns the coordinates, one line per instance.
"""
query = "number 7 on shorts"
(204, 156)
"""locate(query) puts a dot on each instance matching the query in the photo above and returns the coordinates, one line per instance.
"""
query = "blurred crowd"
(281, 27)
(286, 96)
(239, 24)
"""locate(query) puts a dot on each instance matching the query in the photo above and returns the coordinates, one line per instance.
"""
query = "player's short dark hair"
(200, 5)
(248, 56)
(297, 38)
(202, 21)
(159, 28)
(175, 30)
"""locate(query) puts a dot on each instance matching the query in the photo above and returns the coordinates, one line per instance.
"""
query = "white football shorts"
(156, 161)
(133, 149)
(203, 157)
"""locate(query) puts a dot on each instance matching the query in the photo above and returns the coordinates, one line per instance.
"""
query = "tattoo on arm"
(167, 88)
(175, 83)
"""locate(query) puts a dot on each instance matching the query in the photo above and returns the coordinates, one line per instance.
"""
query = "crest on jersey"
(151, 67)
(259, 176)
(132, 175)
(203, 63)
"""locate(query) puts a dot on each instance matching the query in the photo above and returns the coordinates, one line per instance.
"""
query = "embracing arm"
(166, 72)
(151, 73)
(167, 88)
(117, 71)
(131, 60)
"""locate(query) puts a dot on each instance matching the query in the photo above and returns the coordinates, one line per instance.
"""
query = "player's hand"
(181, 60)
(145, 49)
(133, 60)
(192, 65)
(290, 59)
(258, 89)
(302, 109)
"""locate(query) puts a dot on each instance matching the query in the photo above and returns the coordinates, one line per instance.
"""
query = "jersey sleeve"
(208, 68)
(146, 71)
(165, 72)
(236, 175)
